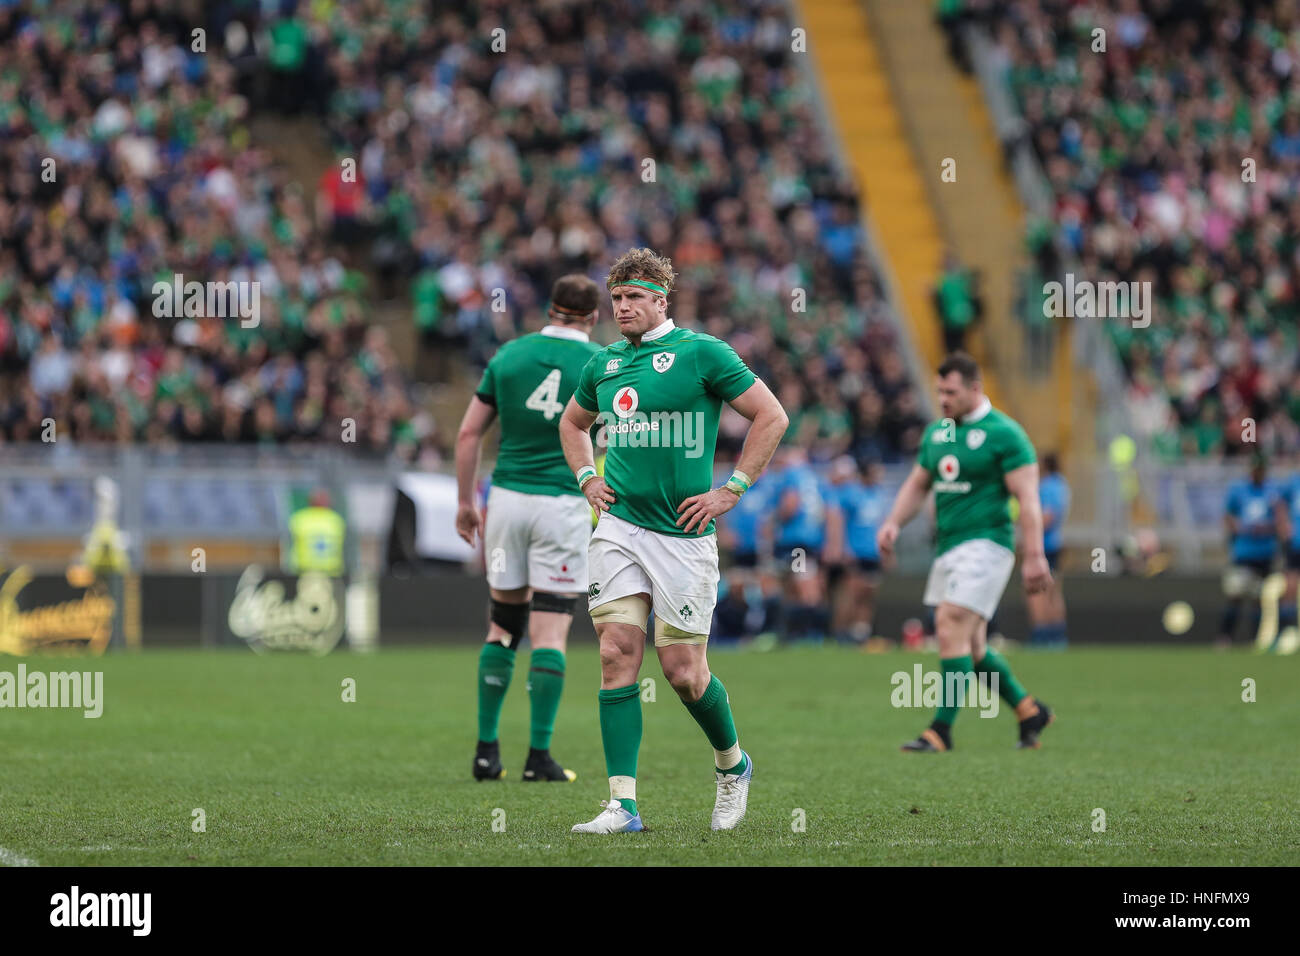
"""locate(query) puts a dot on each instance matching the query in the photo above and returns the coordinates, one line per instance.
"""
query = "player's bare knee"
(945, 622)
(678, 674)
(620, 653)
(955, 627)
(612, 654)
(689, 679)
(545, 637)
(549, 620)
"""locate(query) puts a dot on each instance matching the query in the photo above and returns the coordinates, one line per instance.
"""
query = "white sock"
(622, 788)
(726, 759)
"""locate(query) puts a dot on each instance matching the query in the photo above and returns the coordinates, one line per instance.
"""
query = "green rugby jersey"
(967, 461)
(529, 382)
(659, 403)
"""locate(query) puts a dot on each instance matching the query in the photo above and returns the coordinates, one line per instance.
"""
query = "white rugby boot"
(613, 819)
(733, 794)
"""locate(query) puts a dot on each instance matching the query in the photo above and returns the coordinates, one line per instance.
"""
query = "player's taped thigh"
(511, 618)
(553, 603)
(625, 610)
(667, 635)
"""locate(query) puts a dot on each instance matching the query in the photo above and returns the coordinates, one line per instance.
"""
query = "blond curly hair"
(642, 264)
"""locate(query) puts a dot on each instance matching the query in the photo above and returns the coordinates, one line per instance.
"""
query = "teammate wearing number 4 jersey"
(659, 393)
(538, 523)
(975, 458)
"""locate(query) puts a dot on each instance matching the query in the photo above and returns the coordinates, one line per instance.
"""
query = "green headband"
(652, 286)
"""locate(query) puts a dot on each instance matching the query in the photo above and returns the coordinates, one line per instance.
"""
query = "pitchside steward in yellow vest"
(318, 533)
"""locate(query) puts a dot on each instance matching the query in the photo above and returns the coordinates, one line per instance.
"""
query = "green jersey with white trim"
(659, 403)
(529, 382)
(967, 462)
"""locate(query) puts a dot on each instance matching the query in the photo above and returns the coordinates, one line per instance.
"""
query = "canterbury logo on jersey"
(612, 366)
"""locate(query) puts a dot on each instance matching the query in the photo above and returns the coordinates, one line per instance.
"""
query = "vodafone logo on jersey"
(949, 468)
(626, 401)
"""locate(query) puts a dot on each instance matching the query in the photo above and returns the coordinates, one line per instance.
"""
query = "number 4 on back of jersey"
(545, 397)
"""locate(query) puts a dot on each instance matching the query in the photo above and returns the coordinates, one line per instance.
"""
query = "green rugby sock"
(495, 665)
(1009, 689)
(947, 711)
(545, 685)
(620, 732)
(713, 713)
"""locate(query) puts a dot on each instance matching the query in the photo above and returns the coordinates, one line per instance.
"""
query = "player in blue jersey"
(742, 534)
(1047, 608)
(799, 536)
(1289, 509)
(857, 506)
(1251, 518)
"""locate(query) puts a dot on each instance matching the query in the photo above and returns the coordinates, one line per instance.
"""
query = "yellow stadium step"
(980, 215)
(861, 100)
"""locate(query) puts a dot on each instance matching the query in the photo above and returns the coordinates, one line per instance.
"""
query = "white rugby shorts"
(679, 573)
(538, 541)
(972, 575)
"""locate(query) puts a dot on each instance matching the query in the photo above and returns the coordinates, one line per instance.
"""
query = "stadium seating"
(475, 183)
(1173, 160)
(466, 182)
(127, 159)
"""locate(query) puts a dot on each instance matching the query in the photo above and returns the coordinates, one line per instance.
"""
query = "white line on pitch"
(10, 858)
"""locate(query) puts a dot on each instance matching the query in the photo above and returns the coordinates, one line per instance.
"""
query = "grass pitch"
(287, 773)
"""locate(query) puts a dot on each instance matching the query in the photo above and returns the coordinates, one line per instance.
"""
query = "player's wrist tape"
(585, 474)
(738, 482)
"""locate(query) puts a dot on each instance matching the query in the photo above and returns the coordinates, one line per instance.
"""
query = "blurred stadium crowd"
(487, 170)
(127, 159)
(476, 170)
(1173, 159)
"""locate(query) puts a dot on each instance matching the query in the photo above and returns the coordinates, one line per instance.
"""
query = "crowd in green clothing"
(154, 174)
(487, 161)
(1174, 159)
(489, 169)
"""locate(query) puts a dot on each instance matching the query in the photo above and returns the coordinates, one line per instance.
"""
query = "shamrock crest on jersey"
(663, 361)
